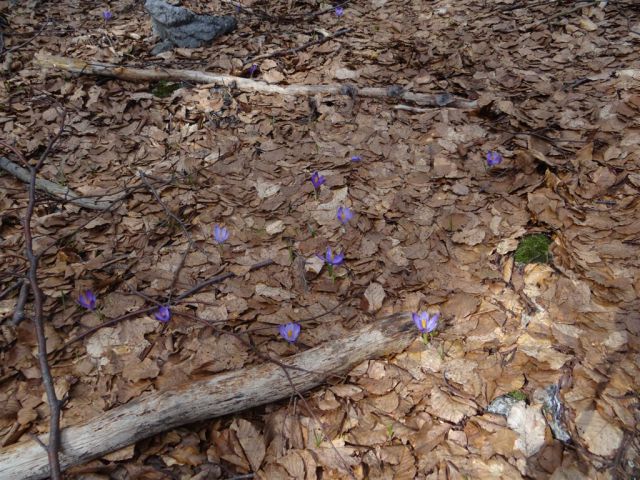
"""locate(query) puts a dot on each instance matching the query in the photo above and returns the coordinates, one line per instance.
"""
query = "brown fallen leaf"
(373, 297)
(600, 436)
(529, 423)
(252, 442)
(449, 408)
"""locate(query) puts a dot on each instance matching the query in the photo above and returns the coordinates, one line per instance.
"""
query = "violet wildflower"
(220, 234)
(331, 258)
(252, 69)
(339, 11)
(356, 158)
(290, 331)
(163, 314)
(87, 300)
(107, 15)
(493, 158)
(317, 180)
(426, 324)
(344, 215)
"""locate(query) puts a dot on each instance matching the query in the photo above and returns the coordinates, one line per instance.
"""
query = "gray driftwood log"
(223, 394)
(246, 84)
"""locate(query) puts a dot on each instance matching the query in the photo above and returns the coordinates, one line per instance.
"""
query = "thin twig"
(285, 369)
(282, 53)
(261, 14)
(141, 311)
(18, 313)
(26, 42)
(109, 323)
(38, 320)
(179, 221)
(518, 6)
(220, 278)
(11, 288)
(557, 15)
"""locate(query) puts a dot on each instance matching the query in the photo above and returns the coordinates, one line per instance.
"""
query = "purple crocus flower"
(317, 180)
(290, 331)
(252, 69)
(339, 11)
(344, 215)
(424, 322)
(220, 234)
(107, 15)
(493, 158)
(163, 314)
(332, 258)
(356, 158)
(87, 300)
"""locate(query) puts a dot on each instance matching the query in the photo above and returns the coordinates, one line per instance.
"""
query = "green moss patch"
(533, 249)
(518, 395)
(164, 89)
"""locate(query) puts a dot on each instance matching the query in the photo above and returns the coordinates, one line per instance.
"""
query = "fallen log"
(56, 190)
(221, 395)
(246, 84)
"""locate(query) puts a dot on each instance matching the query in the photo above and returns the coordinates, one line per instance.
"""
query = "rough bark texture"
(221, 395)
(179, 27)
(248, 85)
(56, 190)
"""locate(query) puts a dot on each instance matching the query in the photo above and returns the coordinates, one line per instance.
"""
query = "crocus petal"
(163, 314)
(87, 300)
(424, 322)
(433, 322)
(289, 331)
(220, 234)
(344, 215)
(317, 180)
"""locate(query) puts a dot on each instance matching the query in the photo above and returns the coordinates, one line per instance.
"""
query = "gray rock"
(502, 405)
(554, 411)
(180, 27)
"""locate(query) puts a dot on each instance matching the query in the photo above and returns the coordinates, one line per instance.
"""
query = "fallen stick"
(563, 13)
(246, 84)
(221, 395)
(289, 51)
(63, 193)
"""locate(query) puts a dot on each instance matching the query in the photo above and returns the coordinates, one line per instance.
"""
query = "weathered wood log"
(246, 84)
(63, 193)
(221, 395)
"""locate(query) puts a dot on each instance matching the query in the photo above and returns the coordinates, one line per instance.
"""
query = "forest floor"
(435, 229)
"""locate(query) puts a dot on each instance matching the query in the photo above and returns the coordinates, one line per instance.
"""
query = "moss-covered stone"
(533, 249)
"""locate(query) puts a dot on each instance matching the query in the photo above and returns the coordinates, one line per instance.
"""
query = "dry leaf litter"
(534, 371)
